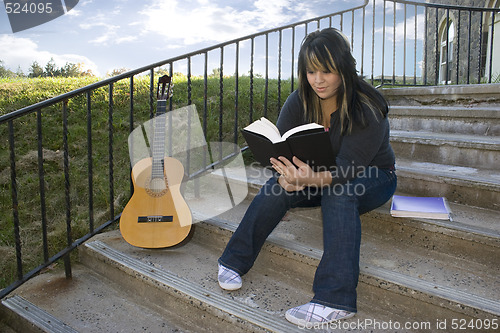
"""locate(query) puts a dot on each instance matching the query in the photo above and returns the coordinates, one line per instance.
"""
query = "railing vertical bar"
(131, 122)
(90, 162)
(205, 115)
(205, 93)
(221, 91)
(426, 13)
(447, 47)
(236, 91)
(352, 30)
(491, 45)
(373, 44)
(67, 260)
(131, 105)
(415, 49)
(394, 45)
(170, 103)
(189, 81)
(437, 48)
(468, 48)
(151, 93)
(383, 46)
(190, 115)
(280, 46)
(292, 72)
(363, 42)
(41, 182)
(110, 153)
(252, 55)
(457, 49)
(15, 202)
(266, 93)
(170, 130)
(169, 148)
(480, 47)
(404, 44)
(171, 73)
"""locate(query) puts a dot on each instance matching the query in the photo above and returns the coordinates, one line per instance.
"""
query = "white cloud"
(410, 29)
(193, 22)
(107, 33)
(74, 12)
(17, 51)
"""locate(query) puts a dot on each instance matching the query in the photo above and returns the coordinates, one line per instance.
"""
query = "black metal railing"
(279, 49)
(438, 44)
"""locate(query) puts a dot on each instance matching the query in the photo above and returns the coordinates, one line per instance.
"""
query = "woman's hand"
(296, 177)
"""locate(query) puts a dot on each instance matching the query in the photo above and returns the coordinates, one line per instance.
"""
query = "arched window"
(447, 47)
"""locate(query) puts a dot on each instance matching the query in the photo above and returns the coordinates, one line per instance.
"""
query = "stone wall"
(470, 48)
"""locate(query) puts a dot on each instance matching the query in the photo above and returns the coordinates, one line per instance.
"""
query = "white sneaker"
(229, 279)
(312, 313)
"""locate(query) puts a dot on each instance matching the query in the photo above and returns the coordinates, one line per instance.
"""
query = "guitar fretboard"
(159, 141)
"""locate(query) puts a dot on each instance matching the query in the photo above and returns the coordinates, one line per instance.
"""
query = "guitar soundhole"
(157, 187)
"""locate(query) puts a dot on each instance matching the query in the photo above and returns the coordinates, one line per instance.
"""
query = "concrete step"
(471, 120)
(472, 238)
(473, 94)
(185, 280)
(473, 151)
(473, 232)
(467, 186)
(89, 302)
(24, 316)
(399, 268)
(469, 224)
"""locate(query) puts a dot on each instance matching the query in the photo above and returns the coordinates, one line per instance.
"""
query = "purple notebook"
(424, 207)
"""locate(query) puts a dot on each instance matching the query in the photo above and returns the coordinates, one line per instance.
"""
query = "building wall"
(470, 43)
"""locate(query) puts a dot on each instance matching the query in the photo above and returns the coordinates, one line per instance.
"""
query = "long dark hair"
(329, 50)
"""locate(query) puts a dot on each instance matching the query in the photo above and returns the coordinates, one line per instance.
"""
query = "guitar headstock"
(165, 91)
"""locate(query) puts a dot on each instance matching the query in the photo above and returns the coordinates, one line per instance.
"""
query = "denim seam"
(335, 306)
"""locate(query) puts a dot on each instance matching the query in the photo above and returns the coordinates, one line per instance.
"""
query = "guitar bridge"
(155, 218)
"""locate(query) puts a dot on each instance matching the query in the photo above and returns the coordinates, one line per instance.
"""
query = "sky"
(105, 35)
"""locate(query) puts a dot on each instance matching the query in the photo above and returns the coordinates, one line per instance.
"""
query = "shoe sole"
(304, 323)
(230, 286)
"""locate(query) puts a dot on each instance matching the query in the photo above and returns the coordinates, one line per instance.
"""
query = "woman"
(330, 93)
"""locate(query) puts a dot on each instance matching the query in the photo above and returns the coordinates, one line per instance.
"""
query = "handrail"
(128, 74)
(448, 6)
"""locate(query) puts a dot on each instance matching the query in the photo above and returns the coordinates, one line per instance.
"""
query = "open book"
(309, 142)
(424, 207)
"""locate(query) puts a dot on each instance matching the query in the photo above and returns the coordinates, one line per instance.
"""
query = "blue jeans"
(337, 274)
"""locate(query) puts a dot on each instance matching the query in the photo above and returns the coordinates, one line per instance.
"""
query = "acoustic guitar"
(156, 215)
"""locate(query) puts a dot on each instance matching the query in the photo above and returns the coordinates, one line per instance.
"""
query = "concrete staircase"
(416, 274)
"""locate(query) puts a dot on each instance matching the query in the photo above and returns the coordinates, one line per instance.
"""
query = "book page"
(266, 128)
(300, 128)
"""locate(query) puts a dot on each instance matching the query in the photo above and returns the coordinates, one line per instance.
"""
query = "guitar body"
(156, 215)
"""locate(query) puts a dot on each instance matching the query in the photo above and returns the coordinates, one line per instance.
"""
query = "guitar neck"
(158, 151)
